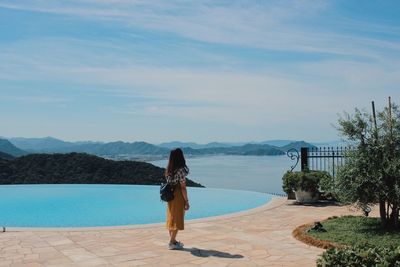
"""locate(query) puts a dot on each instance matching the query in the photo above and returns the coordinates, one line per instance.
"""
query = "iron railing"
(327, 159)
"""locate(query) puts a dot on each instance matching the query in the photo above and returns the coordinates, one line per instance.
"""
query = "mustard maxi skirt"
(176, 211)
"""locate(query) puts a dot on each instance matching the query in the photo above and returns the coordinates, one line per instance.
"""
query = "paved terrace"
(259, 237)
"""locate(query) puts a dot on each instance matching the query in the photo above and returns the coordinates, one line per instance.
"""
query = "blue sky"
(193, 70)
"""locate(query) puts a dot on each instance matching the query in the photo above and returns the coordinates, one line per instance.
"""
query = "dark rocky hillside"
(78, 168)
(5, 156)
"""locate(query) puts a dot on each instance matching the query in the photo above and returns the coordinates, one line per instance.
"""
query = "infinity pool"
(110, 205)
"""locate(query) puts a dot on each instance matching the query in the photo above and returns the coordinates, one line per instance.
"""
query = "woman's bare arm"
(185, 195)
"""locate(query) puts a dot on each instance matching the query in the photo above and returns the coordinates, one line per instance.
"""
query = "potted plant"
(305, 184)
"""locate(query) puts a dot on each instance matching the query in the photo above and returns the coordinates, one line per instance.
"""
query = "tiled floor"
(261, 237)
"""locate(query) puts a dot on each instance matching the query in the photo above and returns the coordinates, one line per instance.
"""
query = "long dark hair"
(176, 161)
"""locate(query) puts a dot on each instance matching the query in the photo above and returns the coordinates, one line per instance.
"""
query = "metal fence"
(324, 158)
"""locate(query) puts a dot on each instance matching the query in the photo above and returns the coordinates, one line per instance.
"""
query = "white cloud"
(296, 94)
(249, 98)
(275, 25)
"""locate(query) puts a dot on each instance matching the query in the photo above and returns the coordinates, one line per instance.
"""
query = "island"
(78, 168)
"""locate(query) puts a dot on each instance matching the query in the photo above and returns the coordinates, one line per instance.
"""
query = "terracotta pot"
(306, 196)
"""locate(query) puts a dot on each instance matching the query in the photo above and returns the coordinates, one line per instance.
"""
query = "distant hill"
(278, 143)
(8, 148)
(140, 148)
(249, 149)
(274, 143)
(39, 144)
(176, 144)
(219, 144)
(296, 145)
(78, 168)
(143, 150)
(5, 156)
(53, 145)
(118, 148)
(337, 143)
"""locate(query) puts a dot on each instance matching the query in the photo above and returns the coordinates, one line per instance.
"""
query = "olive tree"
(371, 174)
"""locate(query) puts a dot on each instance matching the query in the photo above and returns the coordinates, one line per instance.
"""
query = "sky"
(217, 70)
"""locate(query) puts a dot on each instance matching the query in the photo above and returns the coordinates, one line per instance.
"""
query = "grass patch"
(356, 230)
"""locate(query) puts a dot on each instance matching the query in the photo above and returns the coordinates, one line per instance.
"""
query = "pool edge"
(274, 202)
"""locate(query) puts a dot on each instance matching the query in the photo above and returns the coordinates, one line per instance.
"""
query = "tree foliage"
(371, 174)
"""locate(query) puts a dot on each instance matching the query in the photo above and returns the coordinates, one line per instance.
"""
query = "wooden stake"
(390, 117)
(375, 124)
(382, 202)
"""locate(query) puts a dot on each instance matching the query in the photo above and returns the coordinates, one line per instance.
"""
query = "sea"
(251, 173)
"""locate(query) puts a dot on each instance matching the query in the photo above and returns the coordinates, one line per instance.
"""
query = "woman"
(175, 174)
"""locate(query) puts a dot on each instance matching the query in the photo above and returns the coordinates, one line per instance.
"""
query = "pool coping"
(274, 202)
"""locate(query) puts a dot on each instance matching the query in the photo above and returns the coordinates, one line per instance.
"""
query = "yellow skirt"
(176, 211)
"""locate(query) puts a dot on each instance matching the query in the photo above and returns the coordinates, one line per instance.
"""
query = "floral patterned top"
(178, 177)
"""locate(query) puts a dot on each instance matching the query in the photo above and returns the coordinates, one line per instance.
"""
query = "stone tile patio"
(260, 237)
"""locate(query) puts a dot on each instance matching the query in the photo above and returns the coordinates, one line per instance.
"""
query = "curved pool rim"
(272, 202)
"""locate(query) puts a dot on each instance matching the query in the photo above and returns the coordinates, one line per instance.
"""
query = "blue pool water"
(110, 205)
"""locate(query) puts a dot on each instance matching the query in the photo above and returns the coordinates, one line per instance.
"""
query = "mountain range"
(174, 144)
(8, 148)
(21, 146)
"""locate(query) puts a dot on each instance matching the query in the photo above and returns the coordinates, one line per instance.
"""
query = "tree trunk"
(394, 217)
(389, 216)
(382, 211)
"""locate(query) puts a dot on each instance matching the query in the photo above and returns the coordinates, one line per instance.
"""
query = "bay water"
(252, 173)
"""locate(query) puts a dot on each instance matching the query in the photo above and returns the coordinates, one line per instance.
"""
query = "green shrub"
(305, 180)
(357, 256)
